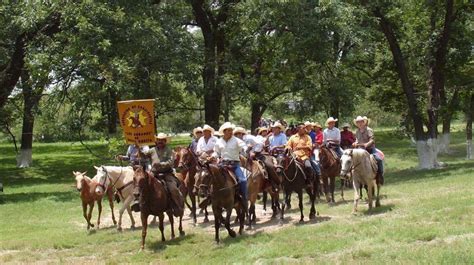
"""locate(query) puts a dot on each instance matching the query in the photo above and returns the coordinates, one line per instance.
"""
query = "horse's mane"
(361, 158)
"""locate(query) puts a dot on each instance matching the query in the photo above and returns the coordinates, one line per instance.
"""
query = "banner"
(138, 121)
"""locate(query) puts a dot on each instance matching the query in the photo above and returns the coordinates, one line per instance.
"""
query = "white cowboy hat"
(262, 129)
(163, 136)
(361, 118)
(225, 126)
(316, 124)
(196, 130)
(308, 123)
(346, 125)
(208, 128)
(278, 125)
(330, 119)
(240, 130)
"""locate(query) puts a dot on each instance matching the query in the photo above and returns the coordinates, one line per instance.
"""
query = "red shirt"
(319, 137)
(347, 138)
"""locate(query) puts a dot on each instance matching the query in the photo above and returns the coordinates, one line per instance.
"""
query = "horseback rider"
(302, 146)
(277, 141)
(162, 168)
(310, 128)
(207, 141)
(135, 155)
(197, 134)
(227, 150)
(332, 136)
(365, 139)
(347, 136)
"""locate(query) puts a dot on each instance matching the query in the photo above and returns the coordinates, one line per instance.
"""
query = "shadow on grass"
(381, 209)
(157, 245)
(24, 197)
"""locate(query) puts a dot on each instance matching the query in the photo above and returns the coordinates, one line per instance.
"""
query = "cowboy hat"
(278, 125)
(208, 128)
(361, 118)
(330, 119)
(196, 130)
(225, 126)
(262, 129)
(308, 123)
(346, 125)
(163, 136)
(316, 124)
(240, 130)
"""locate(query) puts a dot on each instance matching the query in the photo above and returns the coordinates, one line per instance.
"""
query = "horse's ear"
(84, 173)
(97, 168)
(74, 173)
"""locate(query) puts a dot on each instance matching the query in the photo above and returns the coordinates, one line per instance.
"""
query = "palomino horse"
(187, 163)
(120, 178)
(86, 187)
(257, 182)
(330, 168)
(221, 188)
(154, 200)
(294, 181)
(363, 167)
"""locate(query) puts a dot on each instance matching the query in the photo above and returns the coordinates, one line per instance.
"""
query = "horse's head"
(185, 159)
(80, 179)
(102, 178)
(346, 162)
(139, 179)
(203, 183)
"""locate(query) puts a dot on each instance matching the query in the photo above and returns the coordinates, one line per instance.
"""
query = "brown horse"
(87, 187)
(154, 200)
(330, 168)
(294, 181)
(221, 188)
(258, 182)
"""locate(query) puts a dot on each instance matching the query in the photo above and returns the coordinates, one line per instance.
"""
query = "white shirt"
(255, 142)
(202, 146)
(229, 150)
(331, 135)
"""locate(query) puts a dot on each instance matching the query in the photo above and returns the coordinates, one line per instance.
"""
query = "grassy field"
(426, 217)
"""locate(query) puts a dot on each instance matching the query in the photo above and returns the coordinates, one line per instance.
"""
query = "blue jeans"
(373, 151)
(241, 179)
(315, 165)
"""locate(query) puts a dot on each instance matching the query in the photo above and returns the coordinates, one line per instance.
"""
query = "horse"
(294, 181)
(86, 187)
(187, 163)
(120, 178)
(221, 188)
(257, 182)
(154, 200)
(363, 167)
(330, 168)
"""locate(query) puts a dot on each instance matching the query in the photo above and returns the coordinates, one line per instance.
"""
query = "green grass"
(426, 217)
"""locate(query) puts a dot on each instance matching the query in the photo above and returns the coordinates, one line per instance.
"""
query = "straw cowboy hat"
(278, 125)
(317, 124)
(163, 136)
(208, 128)
(346, 125)
(240, 130)
(196, 130)
(361, 118)
(330, 119)
(308, 123)
(262, 129)
(225, 126)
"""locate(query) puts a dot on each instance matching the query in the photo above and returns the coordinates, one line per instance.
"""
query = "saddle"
(227, 171)
(333, 153)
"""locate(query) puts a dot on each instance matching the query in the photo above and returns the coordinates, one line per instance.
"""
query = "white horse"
(120, 178)
(363, 167)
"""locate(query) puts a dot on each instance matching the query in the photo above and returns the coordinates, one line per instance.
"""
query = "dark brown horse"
(153, 201)
(294, 181)
(221, 188)
(188, 165)
(330, 169)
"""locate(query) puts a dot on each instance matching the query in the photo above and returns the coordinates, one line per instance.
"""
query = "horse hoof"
(301, 221)
(232, 233)
(182, 233)
(132, 227)
(206, 220)
(280, 223)
(119, 229)
(92, 225)
(312, 216)
(331, 204)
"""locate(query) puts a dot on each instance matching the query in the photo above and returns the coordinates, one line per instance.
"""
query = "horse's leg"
(99, 206)
(192, 196)
(264, 201)
(283, 206)
(129, 210)
(171, 218)
(326, 188)
(288, 201)
(342, 189)
(274, 197)
(110, 197)
(333, 188)
(180, 228)
(206, 215)
(217, 222)
(370, 194)
(161, 225)
(144, 218)
(300, 204)
(312, 199)
(84, 213)
(89, 214)
(356, 195)
(377, 201)
(228, 213)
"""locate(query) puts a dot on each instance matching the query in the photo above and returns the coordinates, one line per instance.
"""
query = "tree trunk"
(112, 116)
(469, 115)
(31, 98)
(447, 115)
(257, 112)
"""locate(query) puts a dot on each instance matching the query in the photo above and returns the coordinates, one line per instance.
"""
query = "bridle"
(107, 176)
(287, 165)
(351, 168)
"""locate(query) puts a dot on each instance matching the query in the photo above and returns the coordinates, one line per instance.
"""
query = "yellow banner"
(137, 118)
